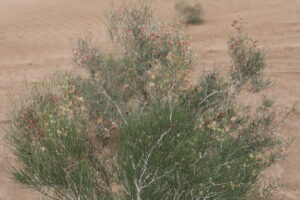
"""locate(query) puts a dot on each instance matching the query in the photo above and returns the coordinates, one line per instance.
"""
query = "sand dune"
(37, 36)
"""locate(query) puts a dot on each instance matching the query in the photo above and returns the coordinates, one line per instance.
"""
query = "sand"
(37, 36)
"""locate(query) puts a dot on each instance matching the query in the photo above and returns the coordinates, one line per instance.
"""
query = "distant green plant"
(189, 14)
(136, 129)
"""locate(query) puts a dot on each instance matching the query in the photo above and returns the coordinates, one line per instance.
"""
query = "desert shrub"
(136, 129)
(49, 137)
(154, 56)
(189, 14)
(248, 59)
(186, 156)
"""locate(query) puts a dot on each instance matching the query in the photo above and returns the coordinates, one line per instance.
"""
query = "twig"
(116, 105)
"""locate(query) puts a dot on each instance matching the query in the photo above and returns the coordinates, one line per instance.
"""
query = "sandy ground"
(37, 36)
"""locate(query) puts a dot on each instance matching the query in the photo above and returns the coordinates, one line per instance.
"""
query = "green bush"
(49, 137)
(189, 14)
(136, 129)
(248, 60)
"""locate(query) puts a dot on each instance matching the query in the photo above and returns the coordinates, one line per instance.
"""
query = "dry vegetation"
(171, 139)
(189, 14)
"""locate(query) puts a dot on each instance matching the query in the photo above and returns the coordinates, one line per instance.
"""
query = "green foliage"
(210, 93)
(189, 14)
(248, 60)
(188, 152)
(154, 57)
(135, 129)
(49, 139)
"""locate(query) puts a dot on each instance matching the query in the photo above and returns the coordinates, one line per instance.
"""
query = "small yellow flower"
(213, 125)
(99, 120)
(126, 86)
(151, 84)
(35, 81)
(169, 56)
(259, 156)
(200, 155)
(178, 135)
(220, 130)
(97, 74)
(114, 125)
(232, 186)
(80, 99)
(227, 129)
(233, 119)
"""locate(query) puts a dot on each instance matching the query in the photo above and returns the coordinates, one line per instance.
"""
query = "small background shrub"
(189, 14)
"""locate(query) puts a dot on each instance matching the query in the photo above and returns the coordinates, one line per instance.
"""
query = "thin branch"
(116, 105)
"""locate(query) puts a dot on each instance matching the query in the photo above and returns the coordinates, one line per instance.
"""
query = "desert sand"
(37, 36)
